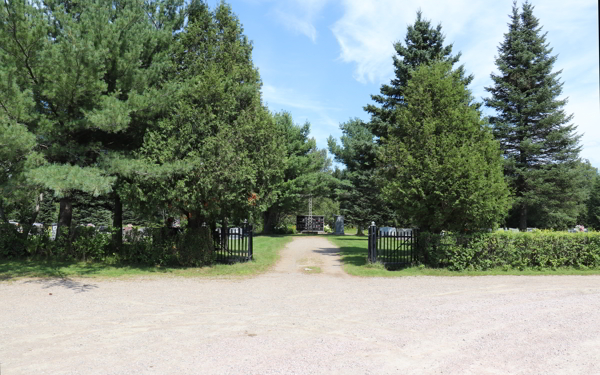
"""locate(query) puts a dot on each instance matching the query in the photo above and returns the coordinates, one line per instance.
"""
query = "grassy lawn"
(353, 251)
(266, 253)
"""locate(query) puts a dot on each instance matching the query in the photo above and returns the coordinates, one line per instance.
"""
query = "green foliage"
(266, 253)
(423, 45)
(216, 150)
(540, 145)
(593, 205)
(306, 173)
(163, 248)
(77, 76)
(441, 165)
(521, 250)
(359, 194)
(12, 244)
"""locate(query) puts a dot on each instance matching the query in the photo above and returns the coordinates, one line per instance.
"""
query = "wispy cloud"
(297, 24)
(299, 15)
(319, 115)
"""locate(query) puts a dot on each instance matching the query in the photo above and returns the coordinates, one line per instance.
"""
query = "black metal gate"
(233, 244)
(393, 247)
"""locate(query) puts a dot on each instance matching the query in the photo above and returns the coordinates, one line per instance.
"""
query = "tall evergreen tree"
(423, 44)
(82, 67)
(305, 173)
(359, 195)
(440, 161)
(539, 143)
(215, 153)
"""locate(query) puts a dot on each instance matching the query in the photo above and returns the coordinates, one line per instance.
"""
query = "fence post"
(369, 245)
(250, 238)
(372, 243)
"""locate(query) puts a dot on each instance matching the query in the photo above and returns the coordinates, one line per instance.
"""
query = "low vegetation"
(541, 253)
(266, 253)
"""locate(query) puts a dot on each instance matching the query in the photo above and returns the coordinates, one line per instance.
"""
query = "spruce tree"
(423, 44)
(540, 145)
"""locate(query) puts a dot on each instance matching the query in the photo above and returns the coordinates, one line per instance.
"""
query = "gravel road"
(292, 321)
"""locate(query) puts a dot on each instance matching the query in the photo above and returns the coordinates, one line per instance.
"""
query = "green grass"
(353, 251)
(266, 253)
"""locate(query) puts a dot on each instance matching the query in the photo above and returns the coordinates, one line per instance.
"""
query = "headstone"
(387, 231)
(53, 233)
(339, 224)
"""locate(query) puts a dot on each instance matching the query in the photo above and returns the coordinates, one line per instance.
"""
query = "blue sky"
(321, 60)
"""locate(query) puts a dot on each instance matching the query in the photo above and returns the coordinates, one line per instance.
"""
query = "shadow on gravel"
(64, 282)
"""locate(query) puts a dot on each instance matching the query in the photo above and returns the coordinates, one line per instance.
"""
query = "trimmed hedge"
(520, 250)
(157, 246)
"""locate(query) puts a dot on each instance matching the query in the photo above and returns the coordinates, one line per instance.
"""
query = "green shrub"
(534, 250)
(12, 243)
(162, 246)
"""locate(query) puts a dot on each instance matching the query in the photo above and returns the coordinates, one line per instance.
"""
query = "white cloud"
(297, 24)
(299, 15)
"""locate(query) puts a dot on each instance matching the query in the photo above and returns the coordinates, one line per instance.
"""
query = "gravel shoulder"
(289, 321)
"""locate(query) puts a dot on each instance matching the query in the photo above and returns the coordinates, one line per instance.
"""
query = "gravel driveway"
(289, 321)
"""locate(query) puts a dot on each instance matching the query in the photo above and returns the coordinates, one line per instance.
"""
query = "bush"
(163, 246)
(536, 250)
(12, 243)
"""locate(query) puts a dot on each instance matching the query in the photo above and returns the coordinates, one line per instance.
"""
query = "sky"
(321, 60)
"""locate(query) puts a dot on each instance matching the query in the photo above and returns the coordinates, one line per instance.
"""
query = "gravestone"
(339, 224)
(53, 233)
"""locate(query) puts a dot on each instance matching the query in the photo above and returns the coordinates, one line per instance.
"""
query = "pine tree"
(441, 164)
(423, 45)
(540, 145)
(81, 70)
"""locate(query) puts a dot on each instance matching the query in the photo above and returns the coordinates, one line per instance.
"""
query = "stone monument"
(339, 224)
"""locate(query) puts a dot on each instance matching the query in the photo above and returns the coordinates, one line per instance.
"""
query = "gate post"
(372, 244)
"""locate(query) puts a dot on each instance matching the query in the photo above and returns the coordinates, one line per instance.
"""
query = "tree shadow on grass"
(52, 269)
(356, 256)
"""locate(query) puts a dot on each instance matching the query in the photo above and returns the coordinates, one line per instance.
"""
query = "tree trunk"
(118, 223)
(270, 220)
(2, 215)
(523, 218)
(359, 230)
(65, 215)
(27, 225)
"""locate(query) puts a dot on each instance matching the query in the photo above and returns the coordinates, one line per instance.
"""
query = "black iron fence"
(393, 247)
(233, 244)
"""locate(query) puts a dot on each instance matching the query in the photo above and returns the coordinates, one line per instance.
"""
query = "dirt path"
(310, 255)
(293, 321)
